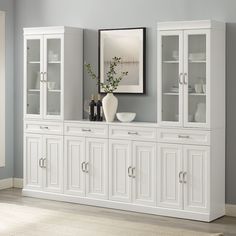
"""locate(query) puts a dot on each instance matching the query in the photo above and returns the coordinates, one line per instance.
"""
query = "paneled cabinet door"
(33, 162)
(97, 168)
(196, 178)
(170, 176)
(53, 160)
(74, 164)
(120, 164)
(144, 173)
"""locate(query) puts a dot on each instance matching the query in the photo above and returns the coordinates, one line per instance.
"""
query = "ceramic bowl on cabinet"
(125, 116)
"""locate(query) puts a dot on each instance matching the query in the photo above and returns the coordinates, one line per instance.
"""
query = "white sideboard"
(138, 167)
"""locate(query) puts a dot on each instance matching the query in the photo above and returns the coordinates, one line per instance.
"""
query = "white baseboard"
(11, 183)
(6, 183)
(17, 183)
(230, 210)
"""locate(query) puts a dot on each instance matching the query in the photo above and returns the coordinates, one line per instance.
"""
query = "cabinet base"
(122, 206)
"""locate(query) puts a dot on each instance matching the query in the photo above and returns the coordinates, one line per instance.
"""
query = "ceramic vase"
(200, 115)
(110, 104)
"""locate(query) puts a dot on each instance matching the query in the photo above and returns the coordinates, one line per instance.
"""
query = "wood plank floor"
(226, 225)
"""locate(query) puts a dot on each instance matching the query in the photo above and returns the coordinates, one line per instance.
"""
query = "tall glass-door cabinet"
(187, 73)
(53, 73)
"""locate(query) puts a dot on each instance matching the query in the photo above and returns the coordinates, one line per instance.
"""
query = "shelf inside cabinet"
(197, 61)
(54, 62)
(33, 90)
(54, 90)
(34, 62)
(171, 62)
(191, 94)
(197, 94)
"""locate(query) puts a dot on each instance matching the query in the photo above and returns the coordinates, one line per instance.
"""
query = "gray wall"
(95, 14)
(8, 7)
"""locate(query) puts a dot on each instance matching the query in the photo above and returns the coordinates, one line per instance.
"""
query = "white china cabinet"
(191, 117)
(191, 71)
(53, 71)
(175, 167)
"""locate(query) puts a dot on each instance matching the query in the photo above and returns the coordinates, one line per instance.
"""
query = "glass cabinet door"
(53, 76)
(170, 85)
(196, 78)
(33, 76)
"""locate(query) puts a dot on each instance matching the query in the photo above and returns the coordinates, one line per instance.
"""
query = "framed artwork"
(128, 44)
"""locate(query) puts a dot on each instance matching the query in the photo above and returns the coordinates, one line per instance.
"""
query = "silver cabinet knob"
(130, 170)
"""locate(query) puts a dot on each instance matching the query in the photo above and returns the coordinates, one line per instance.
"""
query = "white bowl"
(125, 116)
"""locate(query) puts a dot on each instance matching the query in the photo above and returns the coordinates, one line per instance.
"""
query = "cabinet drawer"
(43, 127)
(132, 133)
(86, 130)
(183, 136)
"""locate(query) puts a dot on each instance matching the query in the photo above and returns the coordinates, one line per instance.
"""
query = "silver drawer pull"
(133, 133)
(44, 127)
(183, 136)
(86, 130)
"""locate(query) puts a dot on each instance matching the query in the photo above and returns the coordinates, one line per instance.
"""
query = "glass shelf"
(171, 62)
(190, 94)
(54, 90)
(54, 62)
(33, 90)
(197, 61)
(34, 62)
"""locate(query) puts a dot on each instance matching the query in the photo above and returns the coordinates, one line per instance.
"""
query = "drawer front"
(86, 130)
(133, 133)
(44, 127)
(183, 136)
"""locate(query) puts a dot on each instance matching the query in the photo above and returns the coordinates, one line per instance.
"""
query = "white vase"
(110, 104)
(200, 115)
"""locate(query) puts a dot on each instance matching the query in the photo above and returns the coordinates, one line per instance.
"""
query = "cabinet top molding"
(200, 24)
(51, 30)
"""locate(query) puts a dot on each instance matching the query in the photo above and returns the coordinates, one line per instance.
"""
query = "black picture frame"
(143, 83)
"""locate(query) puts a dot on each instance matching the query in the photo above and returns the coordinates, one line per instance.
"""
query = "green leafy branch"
(112, 78)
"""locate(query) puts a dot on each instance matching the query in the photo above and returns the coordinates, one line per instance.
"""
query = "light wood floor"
(226, 225)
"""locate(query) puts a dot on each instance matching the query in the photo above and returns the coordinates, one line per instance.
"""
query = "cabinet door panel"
(33, 72)
(170, 192)
(53, 153)
(97, 176)
(119, 162)
(170, 78)
(33, 154)
(144, 161)
(196, 188)
(197, 78)
(54, 73)
(73, 159)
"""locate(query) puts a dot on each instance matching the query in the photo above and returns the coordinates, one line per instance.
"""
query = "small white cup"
(198, 88)
(204, 88)
(51, 85)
